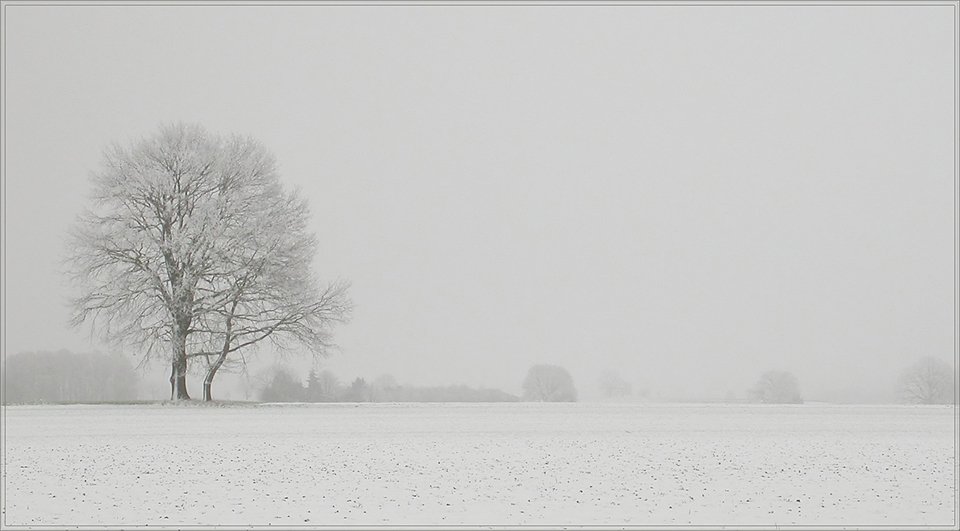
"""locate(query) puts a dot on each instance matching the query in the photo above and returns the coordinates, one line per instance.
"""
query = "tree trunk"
(208, 379)
(181, 382)
(227, 337)
(179, 375)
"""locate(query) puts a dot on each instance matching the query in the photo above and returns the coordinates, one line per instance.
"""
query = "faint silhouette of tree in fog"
(549, 383)
(928, 381)
(777, 387)
(613, 385)
(323, 387)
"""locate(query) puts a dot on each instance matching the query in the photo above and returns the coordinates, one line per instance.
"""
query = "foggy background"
(689, 195)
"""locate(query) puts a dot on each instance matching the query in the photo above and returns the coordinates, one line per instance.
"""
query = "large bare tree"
(928, 381)
(178, 250)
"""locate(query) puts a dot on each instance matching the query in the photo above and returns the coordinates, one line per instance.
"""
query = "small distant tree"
(311, 387)
(329, 388)
(613, 386)
(359, 391)
(928, 381)
(283, 387)
(385, 389)
(777, 387)
(549, 383)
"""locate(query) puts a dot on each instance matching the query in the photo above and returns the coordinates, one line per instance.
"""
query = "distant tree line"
(324, 386)
(66, 377)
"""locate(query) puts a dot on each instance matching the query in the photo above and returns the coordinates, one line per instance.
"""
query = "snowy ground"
(479, 464)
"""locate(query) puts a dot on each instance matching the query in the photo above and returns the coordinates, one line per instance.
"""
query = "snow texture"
(479, 464)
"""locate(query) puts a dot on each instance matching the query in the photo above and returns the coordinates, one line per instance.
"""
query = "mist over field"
(689, 196)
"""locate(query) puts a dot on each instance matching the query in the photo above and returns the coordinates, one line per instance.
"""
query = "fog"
(688, 195)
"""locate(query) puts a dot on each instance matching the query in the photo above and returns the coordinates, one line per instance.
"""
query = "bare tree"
(269, 290)
(177, 251)
(928, 381)
(549, 383)
(613, 385)
(777, 387)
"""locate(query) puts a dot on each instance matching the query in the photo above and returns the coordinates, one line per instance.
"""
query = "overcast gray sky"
(690, 195)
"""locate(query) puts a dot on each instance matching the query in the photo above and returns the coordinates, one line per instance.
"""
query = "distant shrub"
(453, 393)
(324, 386)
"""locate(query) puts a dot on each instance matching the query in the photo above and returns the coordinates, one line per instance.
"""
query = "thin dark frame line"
(3, 326)
(956, 293)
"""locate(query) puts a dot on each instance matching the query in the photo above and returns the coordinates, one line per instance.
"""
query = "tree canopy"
(192, 246)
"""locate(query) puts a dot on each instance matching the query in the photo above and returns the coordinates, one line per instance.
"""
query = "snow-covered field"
(479, 464)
